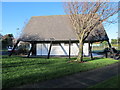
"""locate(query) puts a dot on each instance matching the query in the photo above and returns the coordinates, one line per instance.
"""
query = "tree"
(7, 40)
(114, 41)
(87, 16)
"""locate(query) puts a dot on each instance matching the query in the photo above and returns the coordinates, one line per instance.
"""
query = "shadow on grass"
(21, 61)
(22, 64)
(37, 76)
(5, 56)
(40, 61)
(95, 58)
(38, 71)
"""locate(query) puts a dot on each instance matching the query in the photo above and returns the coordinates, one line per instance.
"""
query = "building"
(54, 35)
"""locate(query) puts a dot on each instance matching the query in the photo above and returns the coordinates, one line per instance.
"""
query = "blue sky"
(17, 14)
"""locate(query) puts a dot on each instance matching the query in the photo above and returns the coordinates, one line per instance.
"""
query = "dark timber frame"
(34, 49)
(112, 52)
(31, 50)
(69, 48)
(49, 50)
(33, 46)
(14, 48)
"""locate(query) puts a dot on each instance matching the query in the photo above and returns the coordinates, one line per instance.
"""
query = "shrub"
(22, 51)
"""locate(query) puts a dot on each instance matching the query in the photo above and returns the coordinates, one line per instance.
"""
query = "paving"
(79, 80)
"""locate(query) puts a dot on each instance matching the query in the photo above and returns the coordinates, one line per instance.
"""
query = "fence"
(102, 46)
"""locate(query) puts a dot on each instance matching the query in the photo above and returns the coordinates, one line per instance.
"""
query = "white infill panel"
(59, 50)
(39, 49)
(74, 49)
(85, 49)
(63, 49)
(42, 49)
(45, 49)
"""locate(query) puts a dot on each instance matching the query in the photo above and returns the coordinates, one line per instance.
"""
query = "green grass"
(110, 83)
(18, 71)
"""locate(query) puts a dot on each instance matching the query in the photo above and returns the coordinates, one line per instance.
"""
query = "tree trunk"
(80, 54)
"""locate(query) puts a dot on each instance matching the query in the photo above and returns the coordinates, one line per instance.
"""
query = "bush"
(23, 48)
(22, 51)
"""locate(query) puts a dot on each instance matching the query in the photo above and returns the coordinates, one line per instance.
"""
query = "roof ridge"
(48, 15)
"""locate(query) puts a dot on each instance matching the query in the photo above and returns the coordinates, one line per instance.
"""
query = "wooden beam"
(57, 41)
(49, 50)
(32, 46)
(63, 49)
(64, 41)
(112, 52)
(14, 48)
(77, 45)
(69, 48)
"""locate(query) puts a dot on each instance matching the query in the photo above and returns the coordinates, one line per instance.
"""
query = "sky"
(15, 16)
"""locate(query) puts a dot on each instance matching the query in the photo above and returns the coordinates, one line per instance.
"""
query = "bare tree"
(86, 16)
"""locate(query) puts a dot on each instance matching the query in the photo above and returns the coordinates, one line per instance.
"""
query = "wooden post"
(69, 48)
(34, 49)
(14, 48)
(32, 46)
(106, 54)
(49, 50)
(89, 47)
(112, 52)
(90, 50)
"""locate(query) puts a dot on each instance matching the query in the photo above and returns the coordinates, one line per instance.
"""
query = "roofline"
(49, 15)
(65, 41)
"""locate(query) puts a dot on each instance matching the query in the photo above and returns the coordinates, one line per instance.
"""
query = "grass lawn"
(110, 83)
(18, 71)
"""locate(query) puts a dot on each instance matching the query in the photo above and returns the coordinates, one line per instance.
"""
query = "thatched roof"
(58, 27)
